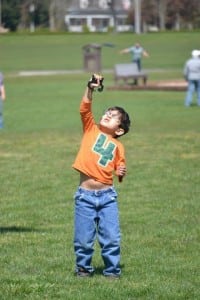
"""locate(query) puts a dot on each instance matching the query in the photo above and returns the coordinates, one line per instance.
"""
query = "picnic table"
(127, 72)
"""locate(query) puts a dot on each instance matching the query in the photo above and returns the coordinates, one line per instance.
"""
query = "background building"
(98, 15)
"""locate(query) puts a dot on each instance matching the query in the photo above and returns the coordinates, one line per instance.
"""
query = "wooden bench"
(127, 72)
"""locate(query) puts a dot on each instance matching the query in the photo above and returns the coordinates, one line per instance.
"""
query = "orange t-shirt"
(99, 154)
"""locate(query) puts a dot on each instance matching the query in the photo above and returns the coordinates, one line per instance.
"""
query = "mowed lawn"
(158, 199)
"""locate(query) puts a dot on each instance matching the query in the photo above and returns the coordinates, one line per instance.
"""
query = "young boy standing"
(96, 208)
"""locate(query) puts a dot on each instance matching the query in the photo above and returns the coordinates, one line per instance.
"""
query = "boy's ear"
(119, 131)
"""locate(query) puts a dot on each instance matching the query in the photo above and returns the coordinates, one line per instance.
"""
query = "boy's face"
(110, 123)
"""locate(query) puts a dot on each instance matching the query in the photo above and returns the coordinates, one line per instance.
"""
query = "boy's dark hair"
(125, 120)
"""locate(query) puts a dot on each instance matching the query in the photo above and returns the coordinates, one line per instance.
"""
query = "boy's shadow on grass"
(16, 229)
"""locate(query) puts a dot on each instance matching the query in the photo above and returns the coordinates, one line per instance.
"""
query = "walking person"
(191, 73)
(96, 208)
(2, 99)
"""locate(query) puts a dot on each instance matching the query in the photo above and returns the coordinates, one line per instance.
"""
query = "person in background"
(2, 98)
(101, 156)
(137, 53)
(191, 73)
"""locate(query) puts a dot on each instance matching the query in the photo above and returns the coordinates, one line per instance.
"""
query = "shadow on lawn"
(15, 229)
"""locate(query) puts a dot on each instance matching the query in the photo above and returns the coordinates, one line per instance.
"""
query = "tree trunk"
(52, 12)
(162, 13)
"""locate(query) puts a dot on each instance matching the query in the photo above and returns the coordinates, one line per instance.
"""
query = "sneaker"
(83, 273)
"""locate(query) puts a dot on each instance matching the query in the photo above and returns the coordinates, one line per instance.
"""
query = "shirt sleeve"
(86, 115)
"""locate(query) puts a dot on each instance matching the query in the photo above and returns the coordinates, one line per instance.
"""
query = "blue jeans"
(1, 113)
(138, 62)
(193, 86)
(96, 215)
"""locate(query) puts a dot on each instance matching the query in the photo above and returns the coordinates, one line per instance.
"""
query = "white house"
(97, 15)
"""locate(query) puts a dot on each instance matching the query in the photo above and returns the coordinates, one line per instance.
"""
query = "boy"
(96, 209)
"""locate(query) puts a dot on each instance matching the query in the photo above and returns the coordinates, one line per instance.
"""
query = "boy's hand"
(96, 82)
(121, 172)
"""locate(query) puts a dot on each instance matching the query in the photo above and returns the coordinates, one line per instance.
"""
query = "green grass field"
(158, 200)
(64, 51)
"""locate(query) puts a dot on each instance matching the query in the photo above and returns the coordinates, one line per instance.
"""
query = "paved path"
(64, 72)
(177, 85)
(45, 73)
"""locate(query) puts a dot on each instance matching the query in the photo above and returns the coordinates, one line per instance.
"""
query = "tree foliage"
(165, 14)
(11, 14)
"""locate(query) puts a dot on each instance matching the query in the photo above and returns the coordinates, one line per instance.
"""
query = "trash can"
(92, 58)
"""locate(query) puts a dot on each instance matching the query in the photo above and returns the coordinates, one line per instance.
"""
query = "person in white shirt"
(191, 73)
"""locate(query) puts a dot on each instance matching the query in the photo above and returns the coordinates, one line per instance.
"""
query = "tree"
(150, 12)
(171, 14)
(11, 14)
(165, 14)
(162, 5)
(57, 10)
(16, 13)
(185, 12)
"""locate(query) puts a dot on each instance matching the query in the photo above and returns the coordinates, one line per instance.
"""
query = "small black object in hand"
(94, 80)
